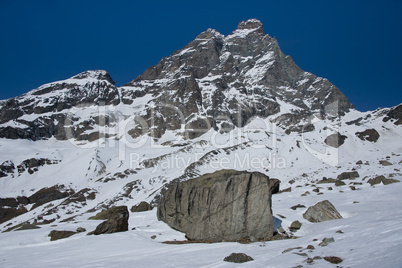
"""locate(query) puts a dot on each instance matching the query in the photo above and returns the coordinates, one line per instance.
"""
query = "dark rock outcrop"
(143, 206)
(333, 259)
(238, 258)
(56, 235)
(368, 135)
(348, 175)
(46, 195)
(117, 221)
(381, 179)
(395, 113)
(227, 205)
(322, 211)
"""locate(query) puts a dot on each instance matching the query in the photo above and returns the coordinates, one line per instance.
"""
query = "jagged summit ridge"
(251, 24)
(215, 81)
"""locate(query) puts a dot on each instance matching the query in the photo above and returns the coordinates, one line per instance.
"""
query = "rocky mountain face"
(216, 81)
(72, 148)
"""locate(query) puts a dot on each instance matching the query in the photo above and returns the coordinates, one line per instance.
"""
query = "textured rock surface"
(143, 206)
(214, 78)
(335, 140)
(56, 235)
(381, 179)
(368, 135)
(350, 175)
(238, 258)
(322, 211)
(395, 113)
(117, 221)
(226, 205)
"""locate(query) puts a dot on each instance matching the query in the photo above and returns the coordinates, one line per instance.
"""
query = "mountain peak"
(251, 24)
(95, 74)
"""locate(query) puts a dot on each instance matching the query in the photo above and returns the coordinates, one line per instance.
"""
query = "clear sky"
(357, 45)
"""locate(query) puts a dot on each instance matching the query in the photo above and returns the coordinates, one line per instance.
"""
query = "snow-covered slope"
(222, 102)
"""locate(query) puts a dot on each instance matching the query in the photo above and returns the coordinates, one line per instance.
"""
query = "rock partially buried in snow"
(117, 221)
(335, 140)
(56, 235)
(238, 258)
(348, 175)
(368, 135)
(381, 179)
(227, 205)
(143, 206)
(322, 211)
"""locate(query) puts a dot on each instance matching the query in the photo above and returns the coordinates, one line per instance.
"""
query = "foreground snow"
(371, 238)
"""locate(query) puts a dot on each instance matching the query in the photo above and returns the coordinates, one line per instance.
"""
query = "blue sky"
(355, 44)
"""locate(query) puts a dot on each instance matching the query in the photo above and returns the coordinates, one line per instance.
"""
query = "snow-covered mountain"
(74, 147)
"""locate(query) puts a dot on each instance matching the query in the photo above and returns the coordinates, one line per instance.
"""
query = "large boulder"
(117, 221)
(335, 140)
(322, 211)
(227, 205)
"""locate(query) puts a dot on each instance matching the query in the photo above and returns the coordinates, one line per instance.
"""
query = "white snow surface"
(371, 214)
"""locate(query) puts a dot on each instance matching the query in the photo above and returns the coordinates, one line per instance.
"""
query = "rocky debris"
(7, 167)
(335, 140)
(360, 162)
(326, 241)
(322, 211)
(116, 221)
(285, 190)
(333, 259)
(294, 226)
(381, 179)
(238, 258)
(298, 206)
(56, 235)
(385, 163)
(348, 175)
(33, 164)
(143, 206)
(395, 113)
(311, 247)
(227, 205)
(368, 135)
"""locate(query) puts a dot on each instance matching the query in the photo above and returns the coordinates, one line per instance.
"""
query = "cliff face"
(226, 205)
(216, 81)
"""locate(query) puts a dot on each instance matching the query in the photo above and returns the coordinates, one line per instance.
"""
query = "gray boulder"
(227, 205)
(322, 211)
(348, 175)
(238, 258)
(143, 206)
(335, 140)
(381, 179)
(117, 221)
(56, 235)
